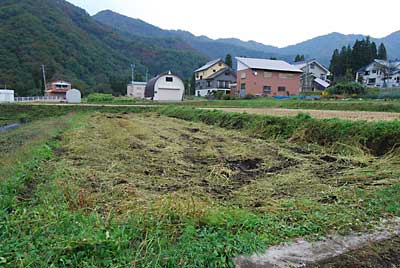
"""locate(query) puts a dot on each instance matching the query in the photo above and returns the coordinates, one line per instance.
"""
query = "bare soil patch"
(349, 115)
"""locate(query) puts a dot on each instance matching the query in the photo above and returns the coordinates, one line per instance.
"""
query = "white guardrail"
(40, 98)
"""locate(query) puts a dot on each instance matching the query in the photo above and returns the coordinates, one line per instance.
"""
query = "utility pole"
(44, 78)
(307, 73)
(147, 75)
(133, 72)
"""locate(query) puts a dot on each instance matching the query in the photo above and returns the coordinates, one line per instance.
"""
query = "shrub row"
(377, 138)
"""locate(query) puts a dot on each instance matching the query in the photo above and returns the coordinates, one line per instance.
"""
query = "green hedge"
(99, 97)
(377, 138)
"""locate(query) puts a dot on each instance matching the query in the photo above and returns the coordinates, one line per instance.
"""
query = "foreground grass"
(342, 105)
(169, 193)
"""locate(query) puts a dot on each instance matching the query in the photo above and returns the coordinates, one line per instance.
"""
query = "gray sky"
(279, 23)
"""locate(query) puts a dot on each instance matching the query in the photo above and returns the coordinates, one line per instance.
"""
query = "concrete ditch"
(303, 254)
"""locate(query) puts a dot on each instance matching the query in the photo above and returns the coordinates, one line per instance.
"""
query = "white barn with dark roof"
(165, 87)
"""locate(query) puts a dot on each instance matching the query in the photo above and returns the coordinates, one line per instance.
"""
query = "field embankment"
(321, 114)
(339, 105)
(377, 138)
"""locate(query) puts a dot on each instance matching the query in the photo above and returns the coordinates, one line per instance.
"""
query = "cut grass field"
(146, 190)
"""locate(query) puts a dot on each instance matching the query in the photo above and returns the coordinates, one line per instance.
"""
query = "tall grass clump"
(378, 137)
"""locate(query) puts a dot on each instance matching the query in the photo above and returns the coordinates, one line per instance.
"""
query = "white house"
(136, 89)
(74, 96)
(315, 75)
(380, 73)
(6, 95)
(165, 87)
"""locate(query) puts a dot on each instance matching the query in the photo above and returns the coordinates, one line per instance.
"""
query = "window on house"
(267, 74)
(285, 76)
(214, 71)
(267, 89)
(169, 79)
(323, 77)
(371, 81)
(281, 89)
(374, 71)
(227, 84)
(243, 86)
(243, 75)
(197, 75)
(201, 77)
(366, 72)
(208, 83)
(312, 66)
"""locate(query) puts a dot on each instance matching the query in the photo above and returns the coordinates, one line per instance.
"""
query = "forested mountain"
(75, 47)
(320, 47)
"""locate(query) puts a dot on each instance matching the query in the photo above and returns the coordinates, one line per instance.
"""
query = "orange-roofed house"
(58, 88)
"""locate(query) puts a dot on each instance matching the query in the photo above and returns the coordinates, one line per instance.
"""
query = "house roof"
(322, 82)
(272, 65)
(221, 72)
(302, 64)
(149, 90)
(60, 82)
(207, 65)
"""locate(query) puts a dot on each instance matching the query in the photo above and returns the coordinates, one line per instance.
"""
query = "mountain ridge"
(320, 47)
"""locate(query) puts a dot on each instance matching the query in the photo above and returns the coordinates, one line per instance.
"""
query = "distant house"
(262, 77)
(380, 73)
(165, 87)
(58, 88)
(315, 75)
(214, 76)
(6, 95)
(136, 89)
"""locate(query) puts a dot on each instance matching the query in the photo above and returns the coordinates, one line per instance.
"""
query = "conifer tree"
(382, 54)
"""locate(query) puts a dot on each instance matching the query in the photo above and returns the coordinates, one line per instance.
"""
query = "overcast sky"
(279, 23)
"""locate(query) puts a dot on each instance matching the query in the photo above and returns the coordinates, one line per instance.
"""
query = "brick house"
(262, 77)
(58, 88)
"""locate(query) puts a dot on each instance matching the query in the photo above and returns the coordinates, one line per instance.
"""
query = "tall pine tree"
(228, 60)
(382, 54)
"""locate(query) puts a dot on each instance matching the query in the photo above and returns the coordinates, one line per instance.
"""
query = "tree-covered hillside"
(75, 47)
